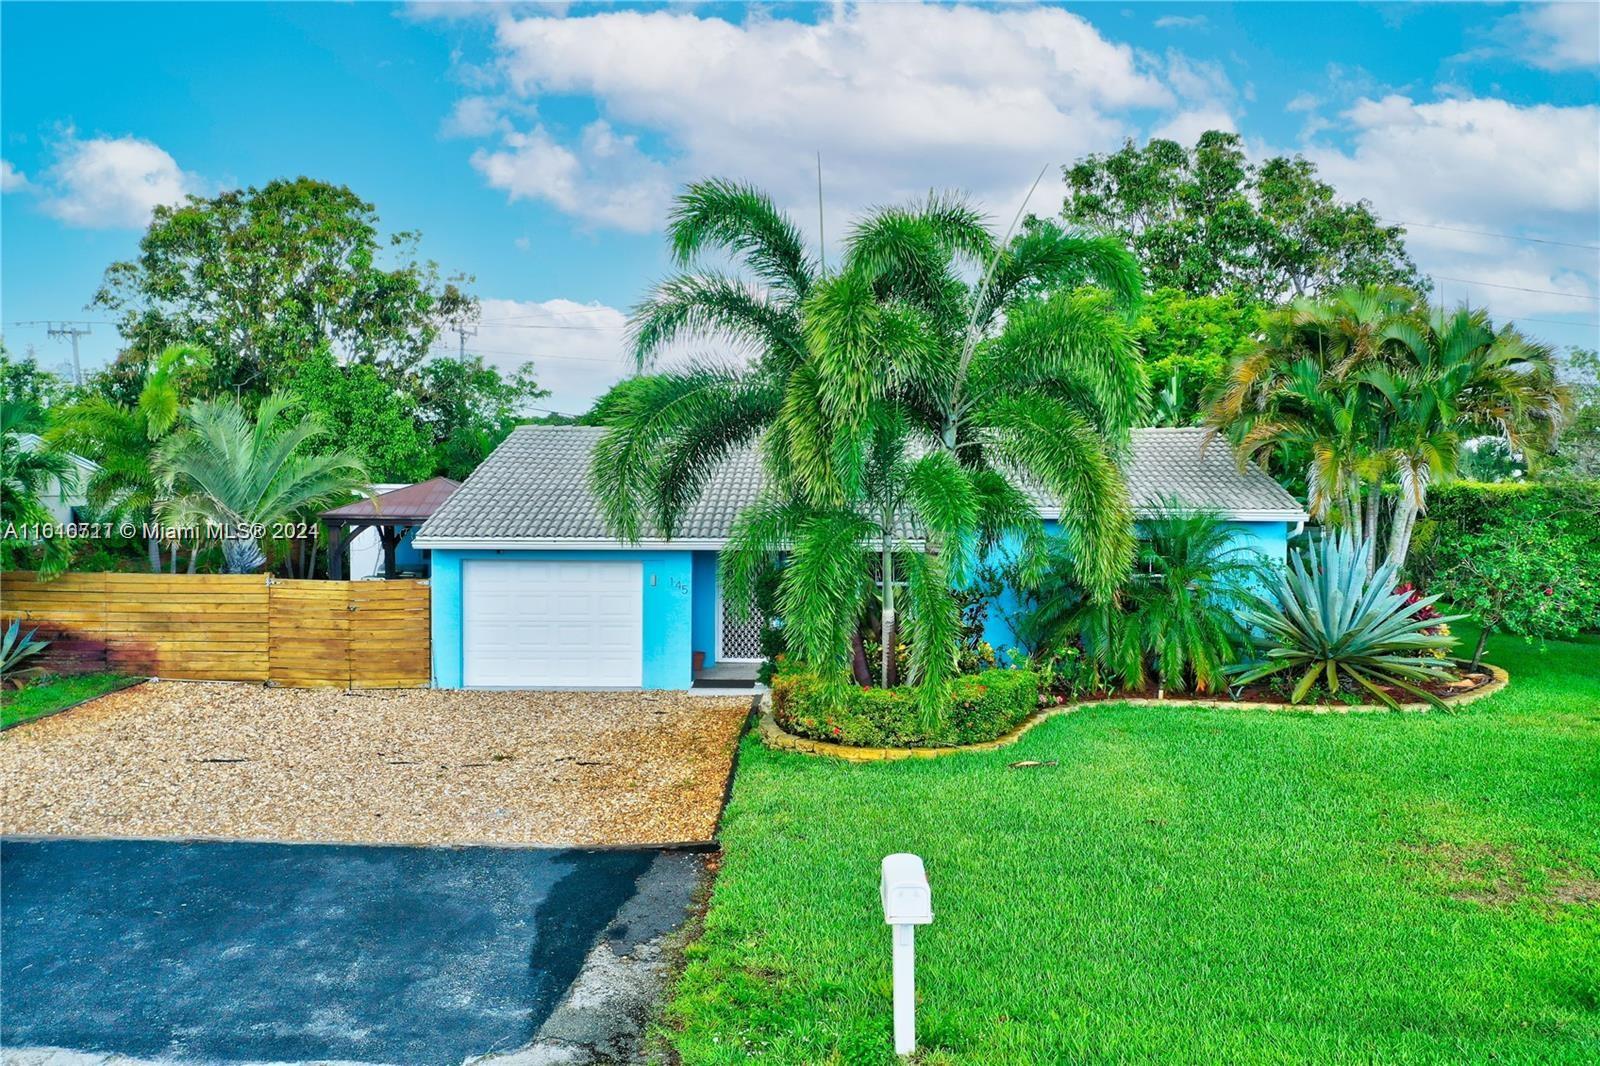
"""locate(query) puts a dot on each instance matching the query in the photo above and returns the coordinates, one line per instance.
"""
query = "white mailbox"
(907, 903)
(906, 899)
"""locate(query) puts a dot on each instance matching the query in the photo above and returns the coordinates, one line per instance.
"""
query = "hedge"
(1523, 558)
(983, 706)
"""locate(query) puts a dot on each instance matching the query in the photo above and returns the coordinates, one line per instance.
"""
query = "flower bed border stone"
(776, 737)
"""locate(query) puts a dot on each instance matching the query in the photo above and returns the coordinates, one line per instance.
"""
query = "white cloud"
(1301, 102)
(1484, 165)
(1185, 127)
(893, 96)
(1562, 36)
(474, 116)
(12, 179)
(1471, 158)
(578, 350)
(108, 182)
(1180, 22)
(604, 178)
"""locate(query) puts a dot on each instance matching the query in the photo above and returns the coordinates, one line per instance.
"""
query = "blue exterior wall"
(704, 627)
(680, 602)
(1270, 539)
(668, 596)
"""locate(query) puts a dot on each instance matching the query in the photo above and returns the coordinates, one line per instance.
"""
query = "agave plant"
(17, 648)
(1331, 621)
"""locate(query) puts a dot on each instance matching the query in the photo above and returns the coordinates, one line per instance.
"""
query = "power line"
(1518, 288)
(1503, 236)
(72, 330)
(513, 324)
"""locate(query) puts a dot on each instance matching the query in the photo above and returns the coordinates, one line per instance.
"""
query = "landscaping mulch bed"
(236, 761)
(1469, 682)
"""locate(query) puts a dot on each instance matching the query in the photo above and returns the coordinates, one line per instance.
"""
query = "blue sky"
(536, 147)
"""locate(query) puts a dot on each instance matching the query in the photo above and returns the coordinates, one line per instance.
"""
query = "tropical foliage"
(16, 648)
(896, 400)
(1522, 558)
(246, 476)
(1175, 622)
(1334, 622)
(27, 473)
(1372, 385)
(123, 440)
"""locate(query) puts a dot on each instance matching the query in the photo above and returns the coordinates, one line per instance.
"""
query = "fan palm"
(227, 471)
(123, 440)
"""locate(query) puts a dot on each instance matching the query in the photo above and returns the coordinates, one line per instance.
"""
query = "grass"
(51, 694)
(1182, 885)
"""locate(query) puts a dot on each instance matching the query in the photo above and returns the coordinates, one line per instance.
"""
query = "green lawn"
(52, 694)
(1184, 885)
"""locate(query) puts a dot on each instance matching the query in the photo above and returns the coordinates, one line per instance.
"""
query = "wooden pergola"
(391, 513)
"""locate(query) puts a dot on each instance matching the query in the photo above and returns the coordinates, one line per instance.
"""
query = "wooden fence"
(228, 627)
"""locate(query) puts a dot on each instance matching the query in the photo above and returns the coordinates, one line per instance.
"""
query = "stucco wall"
(704, 628)
(668, 610)
(1270, 539)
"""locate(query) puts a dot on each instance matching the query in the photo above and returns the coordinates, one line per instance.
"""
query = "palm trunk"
(194, 556)
(153, 546)
(1369, 520)
(173, 566)
(888, 610)
(858, 659)
(1400, 539)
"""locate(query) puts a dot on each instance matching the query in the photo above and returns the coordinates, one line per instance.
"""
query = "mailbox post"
(907, 903)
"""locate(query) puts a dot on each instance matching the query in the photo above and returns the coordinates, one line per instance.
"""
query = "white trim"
(567, 544)
(717, 543)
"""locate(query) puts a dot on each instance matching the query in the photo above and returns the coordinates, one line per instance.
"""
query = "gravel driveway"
(242, 762)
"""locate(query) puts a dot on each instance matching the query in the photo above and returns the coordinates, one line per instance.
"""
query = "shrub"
(1521, 558)
(982, 706)
(1328, 622)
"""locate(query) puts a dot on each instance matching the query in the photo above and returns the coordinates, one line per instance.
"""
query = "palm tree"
(26, 475)
(670, 427)
(1371, 384)
(242, 476)
(981, 379)
(1028, 376)
(123, 440)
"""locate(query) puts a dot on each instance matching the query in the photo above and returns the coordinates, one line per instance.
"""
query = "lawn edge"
(776, 737)
(133, 682)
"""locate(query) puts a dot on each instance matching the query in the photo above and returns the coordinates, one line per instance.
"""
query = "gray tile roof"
(536, 487)
(1202, 472)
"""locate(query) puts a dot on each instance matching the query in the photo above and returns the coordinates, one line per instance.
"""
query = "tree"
(1206, 221)
(1189, 342)
(26, 474)
(244, 476)
(979, 375)
(1371, 384)
(367, 416)
(468, 407)
(123, 439)
(1028, 375)
(1577, 450)
(263, 276)
(31, 391)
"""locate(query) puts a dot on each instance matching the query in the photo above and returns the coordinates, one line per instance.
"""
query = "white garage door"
(532, 623)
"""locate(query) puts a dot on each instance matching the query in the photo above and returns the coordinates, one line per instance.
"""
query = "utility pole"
(70, 330)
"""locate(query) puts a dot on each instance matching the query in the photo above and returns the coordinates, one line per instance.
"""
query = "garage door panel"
(530, 623)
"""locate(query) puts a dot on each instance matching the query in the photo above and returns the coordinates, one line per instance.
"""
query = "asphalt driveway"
(229, 952)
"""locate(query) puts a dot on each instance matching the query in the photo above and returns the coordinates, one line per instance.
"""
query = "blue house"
(529, 590)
